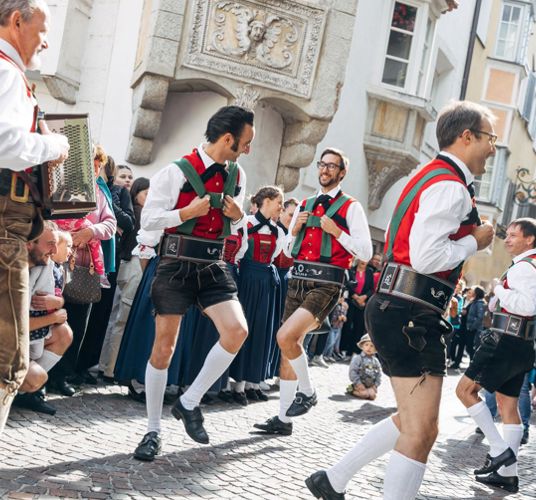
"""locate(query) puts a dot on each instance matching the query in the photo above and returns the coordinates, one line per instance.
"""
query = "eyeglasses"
(330, 166)
(492, 137)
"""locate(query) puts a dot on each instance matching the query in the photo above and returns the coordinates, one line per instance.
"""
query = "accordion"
(68, 191)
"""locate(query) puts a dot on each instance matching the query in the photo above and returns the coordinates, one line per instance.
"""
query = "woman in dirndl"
(258, 283)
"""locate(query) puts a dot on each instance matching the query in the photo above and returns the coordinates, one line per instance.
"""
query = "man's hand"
(196, 208)
(483, 235)
(82, 237)
(330, 227)
(301, 219)
(61, 140)
(60, 316)
(45, 302)
(231, 209)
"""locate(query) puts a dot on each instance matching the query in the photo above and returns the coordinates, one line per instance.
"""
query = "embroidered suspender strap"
(216, 199)
(314, 221)
(404, 205)
(531, 259)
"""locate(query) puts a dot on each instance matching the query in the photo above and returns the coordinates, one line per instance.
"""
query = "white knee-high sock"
(403, 477)
(512, 435)
(380, 439)
(48, 359)
(301, 369)
(155, 387)
(216, 362)
(482, 416)
(287, 392)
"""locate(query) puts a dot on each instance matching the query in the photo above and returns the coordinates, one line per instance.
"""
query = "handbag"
(84, 284)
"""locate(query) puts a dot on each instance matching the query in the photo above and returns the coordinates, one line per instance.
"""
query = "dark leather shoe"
(525, 438)
(135, 395)
(61, 386)
(149, 447)
(478, 430)
(226, 396)
(301, 404)
(275, 426)
(492, 464)
(508, 483)
(192, 420)
(34, 401)
(251, 395)
(261, 395)
(240, 398)
(319, 485)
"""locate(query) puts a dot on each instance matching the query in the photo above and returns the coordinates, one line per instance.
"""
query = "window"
(425, 57)
(513, 32)
(399, 47)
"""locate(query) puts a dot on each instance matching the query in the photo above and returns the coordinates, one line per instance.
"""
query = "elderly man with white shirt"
(505, 355)
(23, 35)
(435, 227)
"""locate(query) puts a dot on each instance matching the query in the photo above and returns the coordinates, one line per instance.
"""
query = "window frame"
(521, 42)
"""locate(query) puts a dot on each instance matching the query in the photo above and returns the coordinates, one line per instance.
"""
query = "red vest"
(208, 226)
(283, 262)
(312, 241)
(231, 245)
(401, 244)
(261, 247)
(505, 281)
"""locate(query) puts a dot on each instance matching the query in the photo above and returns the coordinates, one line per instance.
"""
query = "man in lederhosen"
(197, 201)
(23, 35)
(327, 231)
(431, 233)
(505, 355)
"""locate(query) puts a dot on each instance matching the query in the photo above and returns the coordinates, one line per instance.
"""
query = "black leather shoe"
(508, 483)
(34, 401)
(251, 395)
(492, 464)
(240, 398)
(319, 485)
(149, 447)
(207, 399)
(478, 430)
(135, 395)
(301, 404)
(61, 386)
(83, 378)
(525, 438)
(226, 396)
(192, 420)
(275, 426)
(261, 395)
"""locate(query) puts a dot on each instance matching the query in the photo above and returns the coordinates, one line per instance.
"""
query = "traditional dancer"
(505, 355)
(327, 231)
(432, 231)
(197, 201)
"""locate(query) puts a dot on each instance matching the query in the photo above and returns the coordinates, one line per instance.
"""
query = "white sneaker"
(319, 361)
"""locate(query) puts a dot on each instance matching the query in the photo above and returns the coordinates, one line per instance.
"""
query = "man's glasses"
(492, 137)
(330, 166)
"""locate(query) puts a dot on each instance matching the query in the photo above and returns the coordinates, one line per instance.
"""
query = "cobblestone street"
(85, 451)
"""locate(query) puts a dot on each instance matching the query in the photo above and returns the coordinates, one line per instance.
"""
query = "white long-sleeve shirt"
(442, 208)
(520, 296)
(20, 148)
(357, 241)
(280, 242)
(159, 211)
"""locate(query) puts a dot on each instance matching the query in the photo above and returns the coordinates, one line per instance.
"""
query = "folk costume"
(505, 355)
(426, 244)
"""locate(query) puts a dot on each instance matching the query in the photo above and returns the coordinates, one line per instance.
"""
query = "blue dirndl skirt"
(258, 286)
(275, 352)
(138, 338)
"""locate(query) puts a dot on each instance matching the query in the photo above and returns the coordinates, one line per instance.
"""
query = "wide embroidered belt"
(512, 324)
(403, 281)
(191, 248)
(314, 271)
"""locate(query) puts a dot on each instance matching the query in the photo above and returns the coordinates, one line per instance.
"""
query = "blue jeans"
(525, 409)
(333, 335)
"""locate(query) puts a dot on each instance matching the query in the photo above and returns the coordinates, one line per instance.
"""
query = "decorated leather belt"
(191, 248)
(511, 324)
(313, 271)
(403, 281)
(13, 185)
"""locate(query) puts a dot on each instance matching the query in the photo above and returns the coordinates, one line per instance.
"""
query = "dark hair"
(123, 167)
(527, 225)
(343, 159)
(479, 292)
(140, 184)
(270, 192)
(459, 116)
(291, 201)
(110, 168)
(229, 119)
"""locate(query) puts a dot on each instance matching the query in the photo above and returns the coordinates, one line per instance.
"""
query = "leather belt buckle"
(16, 182)
(388, 278)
